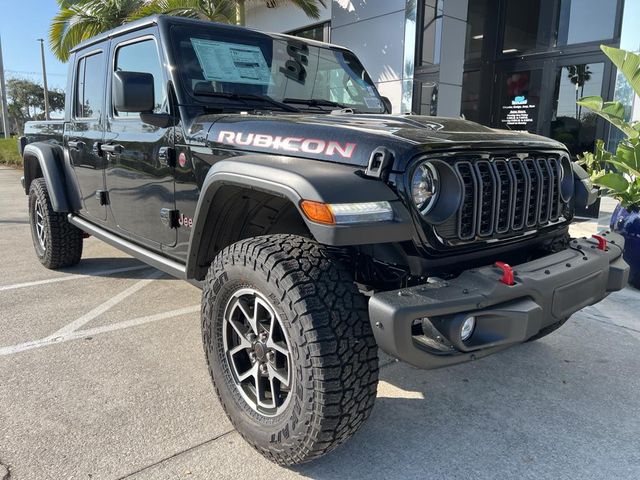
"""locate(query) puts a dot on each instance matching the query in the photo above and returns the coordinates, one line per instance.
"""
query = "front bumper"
(546, 291)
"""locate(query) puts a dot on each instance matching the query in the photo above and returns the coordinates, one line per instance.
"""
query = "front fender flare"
(299, 179)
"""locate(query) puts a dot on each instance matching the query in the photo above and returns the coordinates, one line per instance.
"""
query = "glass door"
(571, 124)
(521, 95)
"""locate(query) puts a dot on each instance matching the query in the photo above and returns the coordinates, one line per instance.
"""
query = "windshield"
(218, 66)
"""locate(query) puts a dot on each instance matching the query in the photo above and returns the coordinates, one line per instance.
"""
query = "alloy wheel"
(257, 351)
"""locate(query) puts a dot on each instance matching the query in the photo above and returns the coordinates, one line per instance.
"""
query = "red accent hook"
(507, 273)
(602, 242)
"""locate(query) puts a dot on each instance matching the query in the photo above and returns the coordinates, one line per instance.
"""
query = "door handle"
(76, 144)
(112, 148)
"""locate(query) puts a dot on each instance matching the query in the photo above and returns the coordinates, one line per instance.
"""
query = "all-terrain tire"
(57, 243)
(324, 317)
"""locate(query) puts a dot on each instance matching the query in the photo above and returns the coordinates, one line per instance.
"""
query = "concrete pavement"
(102, 375)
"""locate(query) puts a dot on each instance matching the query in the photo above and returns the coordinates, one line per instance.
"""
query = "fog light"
(467, 328)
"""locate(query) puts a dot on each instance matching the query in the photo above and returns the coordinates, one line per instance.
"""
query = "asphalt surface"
(102, 375)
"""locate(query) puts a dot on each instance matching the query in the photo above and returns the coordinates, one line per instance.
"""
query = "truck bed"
(44, 131)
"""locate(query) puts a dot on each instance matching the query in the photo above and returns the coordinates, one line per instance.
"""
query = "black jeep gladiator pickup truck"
(267, 169)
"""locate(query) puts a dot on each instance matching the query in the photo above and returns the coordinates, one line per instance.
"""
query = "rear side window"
(142, 57)
(89, 87)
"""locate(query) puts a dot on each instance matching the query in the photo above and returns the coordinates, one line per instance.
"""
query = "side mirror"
(133, 92)
(388, 108)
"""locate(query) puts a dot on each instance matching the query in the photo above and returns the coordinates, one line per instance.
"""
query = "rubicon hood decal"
(315, 146)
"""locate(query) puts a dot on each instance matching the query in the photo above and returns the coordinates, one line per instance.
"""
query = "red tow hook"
(602, 242)
(507, 273)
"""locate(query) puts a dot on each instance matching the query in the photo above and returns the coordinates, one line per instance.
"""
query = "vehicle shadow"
(110, 267)
(535, 411)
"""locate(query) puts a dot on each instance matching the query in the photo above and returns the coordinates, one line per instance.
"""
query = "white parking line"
(92, 332)
(112, 302)
(73, 276)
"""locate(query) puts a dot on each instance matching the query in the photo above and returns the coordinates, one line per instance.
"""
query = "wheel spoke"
(260, 393)
(251, 319)
(256, 308)
(244, 345)
(251, 372)
(274, 392)
(277, 347)
(278, 374)
(238, 330)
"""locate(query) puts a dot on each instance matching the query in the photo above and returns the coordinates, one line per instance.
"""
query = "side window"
(89, 87)
(142, 57)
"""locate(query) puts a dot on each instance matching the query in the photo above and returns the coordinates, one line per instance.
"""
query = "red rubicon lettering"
(289, 144)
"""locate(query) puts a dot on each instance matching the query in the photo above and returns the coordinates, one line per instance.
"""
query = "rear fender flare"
(49, 159)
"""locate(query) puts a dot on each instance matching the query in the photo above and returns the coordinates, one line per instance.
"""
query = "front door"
(139, 179)
(85, 129)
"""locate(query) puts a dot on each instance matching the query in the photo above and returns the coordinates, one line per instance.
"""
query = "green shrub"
(9, 152)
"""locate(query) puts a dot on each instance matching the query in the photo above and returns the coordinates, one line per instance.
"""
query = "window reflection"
(583, 21)
(572, 124)
(471, 95)
(432, 32)
(475, 29)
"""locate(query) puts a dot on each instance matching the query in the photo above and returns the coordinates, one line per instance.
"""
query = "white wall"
(373, 29)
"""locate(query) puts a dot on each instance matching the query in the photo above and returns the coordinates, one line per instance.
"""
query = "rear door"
(139, 176)
(85, 130)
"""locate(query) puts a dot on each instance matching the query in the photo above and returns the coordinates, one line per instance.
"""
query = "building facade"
(514, 64)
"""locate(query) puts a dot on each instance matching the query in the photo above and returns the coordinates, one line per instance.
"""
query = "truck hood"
(351, 139)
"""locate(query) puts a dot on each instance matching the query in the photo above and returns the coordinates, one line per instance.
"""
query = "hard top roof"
(172, 20)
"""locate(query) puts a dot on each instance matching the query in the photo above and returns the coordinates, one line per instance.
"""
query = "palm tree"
(223, 11)
(79, 20)
(579, 75)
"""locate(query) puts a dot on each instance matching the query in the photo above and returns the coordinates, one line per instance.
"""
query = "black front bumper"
(546, 291)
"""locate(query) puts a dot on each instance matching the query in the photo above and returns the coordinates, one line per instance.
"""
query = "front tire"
(57, 243)
(289, 346)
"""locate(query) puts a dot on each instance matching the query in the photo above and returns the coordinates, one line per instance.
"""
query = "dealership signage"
(520, 114)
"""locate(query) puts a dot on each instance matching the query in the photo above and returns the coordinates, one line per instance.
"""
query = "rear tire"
(311, 327)
(57, 243)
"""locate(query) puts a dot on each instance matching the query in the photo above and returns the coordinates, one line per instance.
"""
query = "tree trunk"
(240, 12)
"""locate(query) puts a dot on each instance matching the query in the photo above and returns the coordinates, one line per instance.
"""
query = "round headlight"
(424, 187)
(566, 179)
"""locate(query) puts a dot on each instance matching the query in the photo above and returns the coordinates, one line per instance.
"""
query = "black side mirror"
(388, 108)
(133, 92)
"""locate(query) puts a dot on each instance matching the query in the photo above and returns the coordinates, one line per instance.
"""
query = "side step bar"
(161, 263)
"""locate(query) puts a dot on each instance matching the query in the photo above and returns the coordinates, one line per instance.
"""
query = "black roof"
(172, 20)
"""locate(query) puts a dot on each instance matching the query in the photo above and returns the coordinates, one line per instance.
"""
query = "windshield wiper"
(247, 96)
(315, 102)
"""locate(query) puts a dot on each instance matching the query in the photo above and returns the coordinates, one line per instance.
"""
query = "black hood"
(350, 139)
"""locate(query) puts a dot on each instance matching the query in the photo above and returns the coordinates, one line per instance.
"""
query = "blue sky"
(21, 24)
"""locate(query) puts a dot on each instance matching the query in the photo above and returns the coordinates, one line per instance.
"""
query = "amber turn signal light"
(317, 212)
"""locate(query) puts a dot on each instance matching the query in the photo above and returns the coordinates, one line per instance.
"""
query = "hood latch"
(380, 162)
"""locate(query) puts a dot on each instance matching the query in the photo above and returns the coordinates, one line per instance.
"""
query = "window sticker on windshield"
(232, 62)
(372, 102)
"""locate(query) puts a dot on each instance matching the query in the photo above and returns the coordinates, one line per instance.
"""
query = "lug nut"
(252, 357)
(264, 336)
(263, 368)
(251, 337)
(271, 356)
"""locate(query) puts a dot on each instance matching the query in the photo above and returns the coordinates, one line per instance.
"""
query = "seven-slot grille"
(505, 195)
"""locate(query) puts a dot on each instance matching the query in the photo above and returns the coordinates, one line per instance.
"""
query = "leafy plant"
(617, 173)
